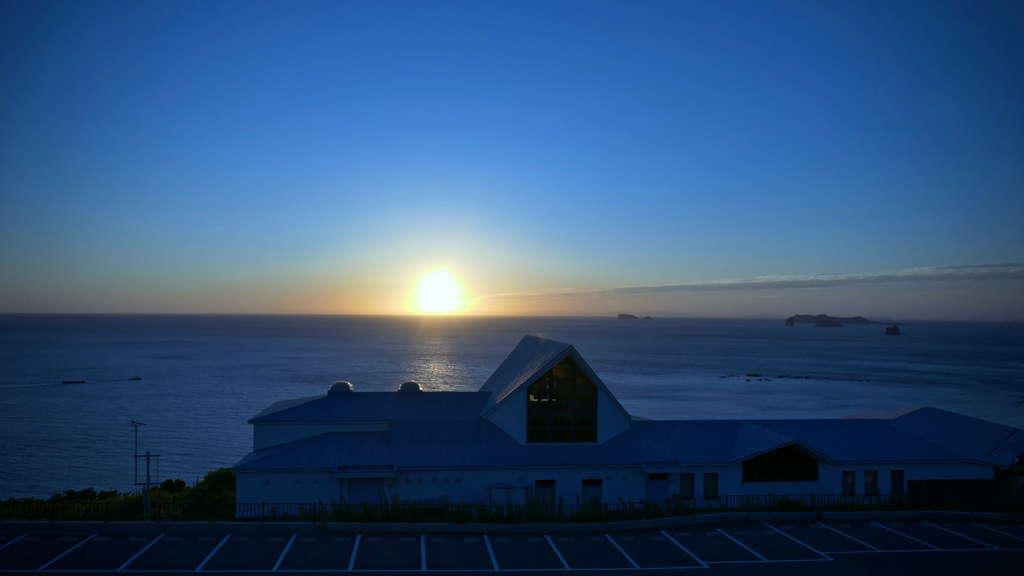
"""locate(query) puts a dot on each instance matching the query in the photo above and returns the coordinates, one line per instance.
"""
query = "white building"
(545, 426)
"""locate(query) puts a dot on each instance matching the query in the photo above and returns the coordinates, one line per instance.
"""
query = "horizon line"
(610, 316)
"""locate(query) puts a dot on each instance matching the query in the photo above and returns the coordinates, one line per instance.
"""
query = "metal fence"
(398, 511)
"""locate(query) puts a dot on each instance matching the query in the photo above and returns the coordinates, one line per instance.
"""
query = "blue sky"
(322, 157)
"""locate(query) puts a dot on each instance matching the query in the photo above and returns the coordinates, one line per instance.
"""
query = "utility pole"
(145, 485)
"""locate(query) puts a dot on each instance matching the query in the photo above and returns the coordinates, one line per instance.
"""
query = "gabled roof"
(532, 356)
(861, 440)
(750, 440)
(886, 415)
(527, 362)
(376, 407)
(972, 438)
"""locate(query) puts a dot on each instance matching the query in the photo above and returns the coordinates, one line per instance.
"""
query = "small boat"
(135, 378)
(72, 381)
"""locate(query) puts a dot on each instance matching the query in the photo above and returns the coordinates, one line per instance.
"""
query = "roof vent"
(340, 388)
(410, 386)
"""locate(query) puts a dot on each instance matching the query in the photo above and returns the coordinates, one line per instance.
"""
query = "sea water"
(203, 377)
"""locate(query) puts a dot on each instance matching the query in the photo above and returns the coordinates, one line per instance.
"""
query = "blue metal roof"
(862, 441)
(376, 407)
(531, 356)
(973, 438)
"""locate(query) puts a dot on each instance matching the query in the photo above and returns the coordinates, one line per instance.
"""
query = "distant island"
(827, 324)
(627, 317)
(808, 319)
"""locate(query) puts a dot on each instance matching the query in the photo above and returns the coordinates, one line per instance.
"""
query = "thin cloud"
(972, 272)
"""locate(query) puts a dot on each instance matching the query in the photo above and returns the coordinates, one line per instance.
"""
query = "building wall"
(830, 478)
(265, 435)
(470, 486)
(287, 487)
(473, 485)
(619, 484)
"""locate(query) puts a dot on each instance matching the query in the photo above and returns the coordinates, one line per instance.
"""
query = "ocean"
(204, 376)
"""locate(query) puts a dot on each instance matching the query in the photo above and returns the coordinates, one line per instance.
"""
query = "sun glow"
(438, 294)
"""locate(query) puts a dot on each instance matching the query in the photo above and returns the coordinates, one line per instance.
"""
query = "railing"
(396, 511)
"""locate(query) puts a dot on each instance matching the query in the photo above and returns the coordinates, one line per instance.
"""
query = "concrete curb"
(154, 528)
(657, 523)
(307, 528)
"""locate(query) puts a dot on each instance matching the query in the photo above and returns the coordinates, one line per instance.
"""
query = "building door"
(591, 493)
(544, 491)
(657, 487)
(686, 486)
(711, 484)
(896, 483)
(498, 496)
(849, 483)
(871, 483)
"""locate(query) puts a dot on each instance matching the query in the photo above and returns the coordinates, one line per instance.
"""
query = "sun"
(438, 294)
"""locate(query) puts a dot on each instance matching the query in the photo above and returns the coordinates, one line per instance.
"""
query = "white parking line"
(146, 547)
(490, 551)
(283, 552)
(13, 541)
(798, 542)
(960, 535)
(66, 552)
(203, 563)
(927, 550)
(850, 537)
(616, 544)
(742, 544)
(559, 554)
(683, 548)
(902, 534)
(355, 548)
(423, 552)
(1000, 531)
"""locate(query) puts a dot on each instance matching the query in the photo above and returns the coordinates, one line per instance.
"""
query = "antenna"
(136, 424)
(145, 485)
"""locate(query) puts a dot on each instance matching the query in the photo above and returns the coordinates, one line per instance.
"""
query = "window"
(849, 483)
(544, 491)
(591, 492)
(686, 485)
(711, 485)
(511, 495)
(896, 483)
(562, 406)
(871, 483)
(787, 464)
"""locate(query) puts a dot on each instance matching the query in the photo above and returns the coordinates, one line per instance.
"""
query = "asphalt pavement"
(910, 547)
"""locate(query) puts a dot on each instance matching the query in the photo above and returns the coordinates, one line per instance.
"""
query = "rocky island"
(627, 317)
(827, 324)
(808, 319)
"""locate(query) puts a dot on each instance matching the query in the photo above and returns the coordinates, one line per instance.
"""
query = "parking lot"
(690, 548)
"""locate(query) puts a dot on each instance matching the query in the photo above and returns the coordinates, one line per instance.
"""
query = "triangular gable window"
(561, 406)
